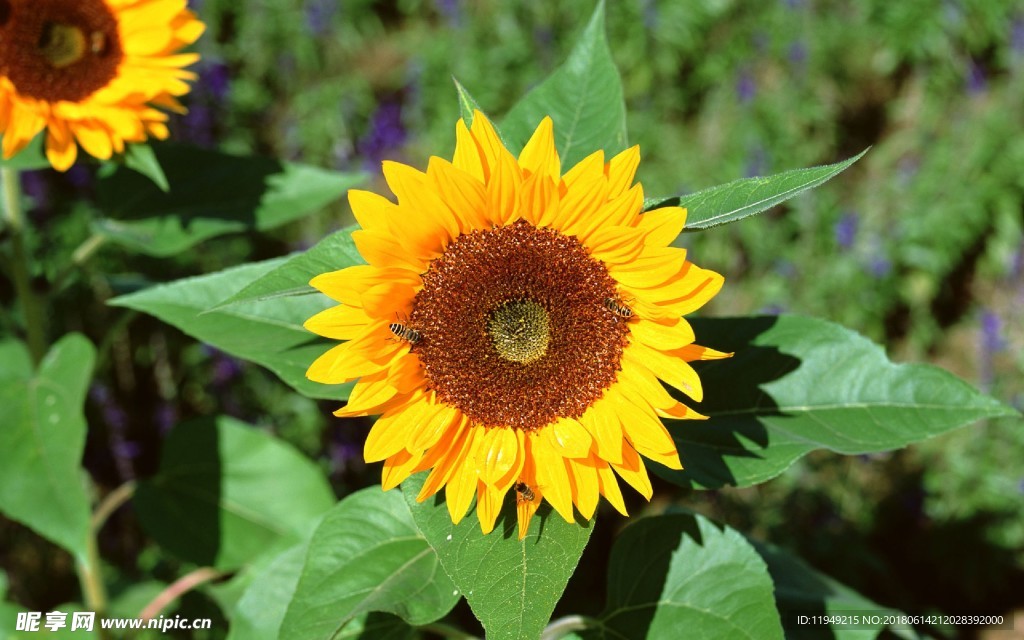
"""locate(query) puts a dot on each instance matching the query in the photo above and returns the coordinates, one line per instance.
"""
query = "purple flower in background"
(1020, 486)
(991, 332)
(165, 417)
(199, 125)
(785, 268)
(757, 162)
(1017, 35)
(846, 230)
(1017, 262)
(773, 310)
(386, 134)
(319, 14)
(650, 12)
(794, 4)
(976, 83)
(798, 54)
(34, 185)
(451, 10)
(124, 451)
(879, 267)
(746, 86)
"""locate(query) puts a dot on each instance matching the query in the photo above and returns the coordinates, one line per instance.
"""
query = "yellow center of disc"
(520, 330)
(62, 44)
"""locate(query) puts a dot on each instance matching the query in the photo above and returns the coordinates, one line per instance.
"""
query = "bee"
(618, 307)
(403, 332)
(98, 43)
(524, 493)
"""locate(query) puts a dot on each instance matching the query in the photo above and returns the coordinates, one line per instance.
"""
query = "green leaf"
(42, 440)
(268, 332)
(226, 492)
(211, 194)
(141, 158)
(334, 252)
(741, 198)
(682, 571)
(31, 157)
(512, 585)
(467, 104)
(260, 610)
(798, 384)
(800, 590)
(366, 556)
(583, 98)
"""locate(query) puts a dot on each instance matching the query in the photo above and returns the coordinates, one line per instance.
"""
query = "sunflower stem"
(111, 503)
(178, 588)
(91, 579)
(79, 257)
(31, 303)
(564, 626)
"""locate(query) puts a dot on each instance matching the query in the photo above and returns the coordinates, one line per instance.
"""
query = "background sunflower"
(91, 73)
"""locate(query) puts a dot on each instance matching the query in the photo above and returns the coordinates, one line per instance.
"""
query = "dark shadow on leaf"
(639, 568)
(204, 184)
(731, 388)
(180, 506)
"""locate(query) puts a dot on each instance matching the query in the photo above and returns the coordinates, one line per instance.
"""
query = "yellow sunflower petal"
(397, 468)
(632, 470)
(467, 152)
(552, 477)
(497, 454)
(342, 322)
(586, 487)
(488, 505)
(622, 168)
(609, 487)
(604, 426)
(568, 438)
(539, 156)
(393, 430)
(662, 226)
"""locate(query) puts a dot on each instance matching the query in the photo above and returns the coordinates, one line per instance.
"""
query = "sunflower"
(513, 325)
(92, 71)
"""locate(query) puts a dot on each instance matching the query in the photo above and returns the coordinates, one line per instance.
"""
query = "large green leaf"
(226, 492)
(367, 556)
(583, 98)
(682, 572)
(42, 439)
(211, 194)
(512, 585)
(291, 278)
(802, 591)
(798, 384)
(741, 198)
(267, 332)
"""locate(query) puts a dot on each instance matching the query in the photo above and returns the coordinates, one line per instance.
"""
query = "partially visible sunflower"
(513, 327)
(91, 71)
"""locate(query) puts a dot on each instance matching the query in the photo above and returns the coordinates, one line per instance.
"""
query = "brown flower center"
(56, 50)
(514, 328)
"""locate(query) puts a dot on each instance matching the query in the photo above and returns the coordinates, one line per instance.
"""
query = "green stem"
(80, 256)
(178, 588)
(89, 576)
(564, 626)
(111, 503)
(31, 303)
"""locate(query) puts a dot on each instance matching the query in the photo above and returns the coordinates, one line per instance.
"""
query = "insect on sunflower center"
(62, 45)
(520, 330)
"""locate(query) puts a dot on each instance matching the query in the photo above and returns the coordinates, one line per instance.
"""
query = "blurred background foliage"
(918, 246)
